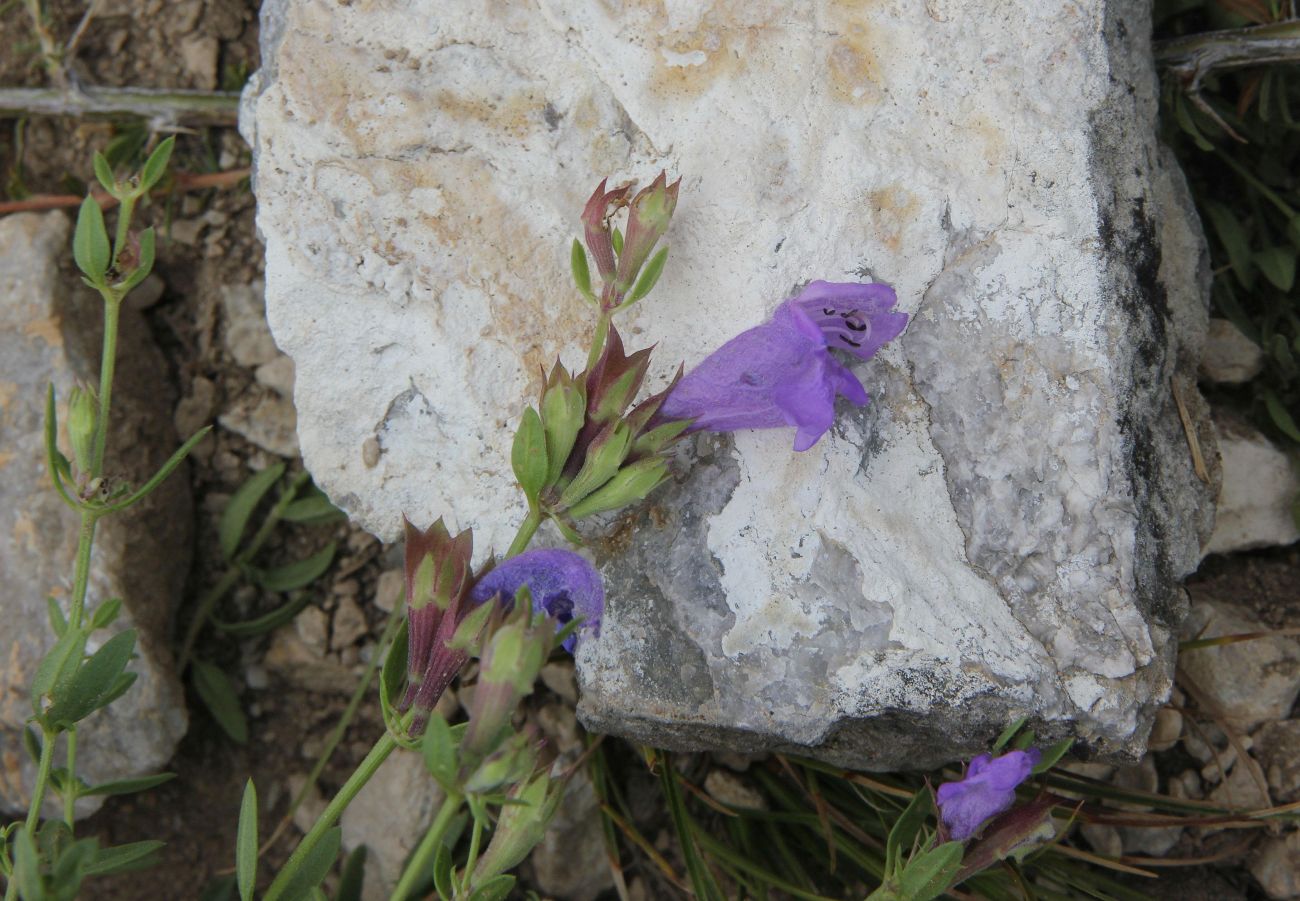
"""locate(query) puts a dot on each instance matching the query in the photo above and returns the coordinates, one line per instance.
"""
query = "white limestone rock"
(1260, 489)
(1000, 533)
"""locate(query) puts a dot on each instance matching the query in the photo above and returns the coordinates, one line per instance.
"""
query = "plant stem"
(107, 365)
(421, 862)
(70, 791)
(42, 779)
(170, 106)
(123, 225)
(81, 569)
(476, 838)
(598, 338)
(364, 771)
(527, 529)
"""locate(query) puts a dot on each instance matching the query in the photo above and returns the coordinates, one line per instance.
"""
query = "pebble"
(1166, 730)
(559, 677)
(727, 788)
(1276, 867)
(390, 589)
(1229, 357)
(268, 421)
(247, 337)
(312, 626)
(1277, 746)
(570, 860)
(199, 56)
(277, 375)
(349, 624)
(1259, 487)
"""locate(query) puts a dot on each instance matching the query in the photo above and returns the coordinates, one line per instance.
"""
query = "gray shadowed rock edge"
(1001, 533)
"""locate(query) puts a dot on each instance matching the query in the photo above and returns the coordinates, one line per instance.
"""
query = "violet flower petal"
(987, 789)
(563, 585)
(853, 317)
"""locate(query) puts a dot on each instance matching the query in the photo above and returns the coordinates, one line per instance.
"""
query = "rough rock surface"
(1230, 358)
(1000, 533)
(50, 332)
(1260, 487)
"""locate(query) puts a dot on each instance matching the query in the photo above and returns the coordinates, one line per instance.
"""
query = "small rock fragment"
(1277, 747)
(390, 589)
(277, 375)
(560, 678)
(1276, 867)
(350, 624)
(313, 628)
(1166, 731)
(560, 726)
(570, 861)
(269, 421)
(1259, 489)
(199, 55)
(1249, 681)
(727, 788)
(1229, 357)
(247, 336)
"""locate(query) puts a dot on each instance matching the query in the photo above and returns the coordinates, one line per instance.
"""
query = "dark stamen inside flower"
(856, 324)
(828, 311)
(847, 340)
(561, 607)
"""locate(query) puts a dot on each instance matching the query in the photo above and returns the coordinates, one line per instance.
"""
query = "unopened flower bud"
(647, 219)
(521, 825)
(564, 406)
(83, 413)
(630, 484)
(605, 455)
(513, 761)
(511, 660)
(595, 223)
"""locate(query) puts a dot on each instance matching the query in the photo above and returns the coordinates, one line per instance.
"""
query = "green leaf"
(58, 622)
(57, 464)
(1278, 266)
(120, 687)
(442, 870)
(353, 876)
(495, 889)
(581, 272)
(649, 277)
(1009, 733)
(217, 694)
(1184, 117)
(155, 166)
(392, 678)
(234, 519)
(928, 875)
(315, 867)
(129, 786)
(246, 843)
(440, 758)
(313, 509)
(90, 242)
(57, 667)
(1280, 416)
(32, 742)
(123, 858)
(148, 242)
(70, 865)
(94, 683)
(1293, 231)
(27, 866)
(297, 574)
(1052, 755)
(1282, 353)
(106, 614)
(104, 172)
(163, 472)
(267, 622)
(908, 824)
(1235, 243)
(528, 455)
(616, 239)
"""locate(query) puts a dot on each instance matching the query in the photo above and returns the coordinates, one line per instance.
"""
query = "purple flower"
(781, 373)
(563, 585)
(987, 789)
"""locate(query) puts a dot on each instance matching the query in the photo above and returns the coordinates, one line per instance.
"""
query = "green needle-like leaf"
(234, 519)
(295, 575)
(217, 694)
(246, 843)
(155, 166)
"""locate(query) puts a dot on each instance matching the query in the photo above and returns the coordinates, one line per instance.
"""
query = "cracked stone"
(1001, 533)
(1260, 487)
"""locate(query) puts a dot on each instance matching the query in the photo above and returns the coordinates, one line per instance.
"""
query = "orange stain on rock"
(892, 209)
(47, 330)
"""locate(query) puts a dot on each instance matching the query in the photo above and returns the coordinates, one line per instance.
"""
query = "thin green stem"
(1283, 207)
(598, 338)
(527, 529)
(363, 773)
(107, 364)
(42, 780)
(124, 214)
(81, 569)
(421, 863)
(475, 840)
(70, 791)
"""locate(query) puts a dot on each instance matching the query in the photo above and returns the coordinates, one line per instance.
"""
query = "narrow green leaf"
(217, 694)
(315, 867)
(928, 875)
(616, 238)
(27, 867)
(90, 246)
(1282, 353)
(106, 614)
(702, 881)
(32, 742)
(353, 876)
(1009, 733)
(649, 277)
(908, 824)
(129, 786)
(311, 510)
(1235, 243)
(155, 166)
(442, 870)
(440, 757)
(267, 622)
(94, 683)
(57, 667)
(234, 519)
(70, 862)
(495, 889)
(1052, 755)
(581, 271)
(246, 843)
(164, 471)
(148, 241)
(58, 466)
(1278, 266)
(104, 172)
(297, 574)
(392, 677)
(1293, 231)
(123, 858)
(120, 687)
(58, 622)
(1280, 416)
(528, 455)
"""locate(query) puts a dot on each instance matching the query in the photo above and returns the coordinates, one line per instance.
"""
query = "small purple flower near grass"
(781, 373)
(987, 789)
(563, 585)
